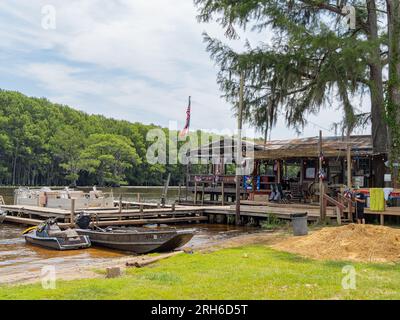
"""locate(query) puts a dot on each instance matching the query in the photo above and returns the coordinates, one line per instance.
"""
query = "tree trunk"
(14, 169)
(393, 104)
(378, 121)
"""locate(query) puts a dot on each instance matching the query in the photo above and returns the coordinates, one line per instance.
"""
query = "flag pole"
(239, 149)
(188, 163)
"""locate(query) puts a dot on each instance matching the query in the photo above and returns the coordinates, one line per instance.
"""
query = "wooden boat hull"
(139, 241)
(57, 243)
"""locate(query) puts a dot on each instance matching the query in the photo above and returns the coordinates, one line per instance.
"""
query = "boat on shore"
(137, 240)
(49, 235)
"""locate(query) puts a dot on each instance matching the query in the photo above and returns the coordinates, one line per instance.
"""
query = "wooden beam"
(348, 155)
(195, 192)
(72, 216)
(239, 149)
(321, 183)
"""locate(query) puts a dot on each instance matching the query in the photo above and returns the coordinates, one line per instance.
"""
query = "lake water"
(147, 194)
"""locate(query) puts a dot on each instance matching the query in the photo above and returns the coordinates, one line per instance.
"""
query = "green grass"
(252, 272)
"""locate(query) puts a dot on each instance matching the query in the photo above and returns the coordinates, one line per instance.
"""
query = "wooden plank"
(19, 220)
(35, 222)
(145, 221)
(312, 216)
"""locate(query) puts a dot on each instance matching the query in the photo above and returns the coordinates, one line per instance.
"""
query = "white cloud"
(136, 60)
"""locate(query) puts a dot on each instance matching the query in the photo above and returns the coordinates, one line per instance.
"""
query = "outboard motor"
(83, 220)
(3, 215)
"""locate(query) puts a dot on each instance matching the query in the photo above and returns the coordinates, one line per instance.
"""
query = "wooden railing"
(339, 207)
(349, 203)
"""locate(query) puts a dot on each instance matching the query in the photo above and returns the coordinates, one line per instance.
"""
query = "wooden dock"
(138, 213)
(153, 214)
(31, 215)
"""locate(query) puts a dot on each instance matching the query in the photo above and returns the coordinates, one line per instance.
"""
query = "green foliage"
(272, 222)
(311, 58)
(109, 156)
(42, 143)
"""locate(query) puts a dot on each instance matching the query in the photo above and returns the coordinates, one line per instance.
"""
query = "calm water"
(16, 256)
(149, 194)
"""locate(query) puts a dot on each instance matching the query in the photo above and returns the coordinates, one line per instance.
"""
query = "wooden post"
(173, 206)
(348, 153)
(350, 211)
(278, 171)
(179, 193)
(120, 204)
(321, 182)
(239, 150)
(195, 193)
(223, 192)
(382, 219)
(138, 197)
(165, 191)
(187, 180)
(338, 216)
(72, 214)
(202, 194)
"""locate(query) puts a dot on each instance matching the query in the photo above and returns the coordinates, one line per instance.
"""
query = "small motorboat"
(137, 240)
(49, 235)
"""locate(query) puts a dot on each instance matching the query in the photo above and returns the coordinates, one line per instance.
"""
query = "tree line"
(42, 143)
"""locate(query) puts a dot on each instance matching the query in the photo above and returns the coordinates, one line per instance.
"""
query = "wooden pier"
(32, 215)
(150, 213)
(128, 213)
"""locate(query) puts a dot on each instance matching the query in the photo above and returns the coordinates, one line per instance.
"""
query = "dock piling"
(72, 215)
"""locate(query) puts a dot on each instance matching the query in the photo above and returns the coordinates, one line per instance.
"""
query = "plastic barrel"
(299, 224)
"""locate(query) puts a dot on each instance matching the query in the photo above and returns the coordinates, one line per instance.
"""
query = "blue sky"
(128, 59)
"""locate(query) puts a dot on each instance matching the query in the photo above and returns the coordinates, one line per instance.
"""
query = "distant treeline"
(42, 143)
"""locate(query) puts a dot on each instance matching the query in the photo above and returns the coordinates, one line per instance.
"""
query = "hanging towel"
(377, 199)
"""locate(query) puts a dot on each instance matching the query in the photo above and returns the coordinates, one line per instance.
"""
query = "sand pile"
(364, 243)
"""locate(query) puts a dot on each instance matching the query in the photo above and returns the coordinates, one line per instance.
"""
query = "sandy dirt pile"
(363, 243)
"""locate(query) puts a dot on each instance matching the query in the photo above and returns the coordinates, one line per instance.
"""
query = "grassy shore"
(249, 272)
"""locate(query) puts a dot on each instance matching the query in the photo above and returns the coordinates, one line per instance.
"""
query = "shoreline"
(97, 269)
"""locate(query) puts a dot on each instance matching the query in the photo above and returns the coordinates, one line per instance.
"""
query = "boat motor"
(3, 215)
(83, 220)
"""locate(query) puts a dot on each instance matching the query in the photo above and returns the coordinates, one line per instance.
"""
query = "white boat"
(46, 197)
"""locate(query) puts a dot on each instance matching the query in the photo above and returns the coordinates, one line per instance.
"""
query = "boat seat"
(69, 233)
(56, 233)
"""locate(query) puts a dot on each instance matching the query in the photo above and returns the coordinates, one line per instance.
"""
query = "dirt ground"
(361, 243)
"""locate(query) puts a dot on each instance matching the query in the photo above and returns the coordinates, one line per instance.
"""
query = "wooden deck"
(153, 214)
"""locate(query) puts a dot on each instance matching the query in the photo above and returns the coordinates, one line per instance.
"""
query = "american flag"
(185, 130)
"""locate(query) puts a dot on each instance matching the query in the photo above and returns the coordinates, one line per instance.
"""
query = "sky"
(136, 60)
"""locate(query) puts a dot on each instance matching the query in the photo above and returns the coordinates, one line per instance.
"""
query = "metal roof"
(333, 146)
(308, 147)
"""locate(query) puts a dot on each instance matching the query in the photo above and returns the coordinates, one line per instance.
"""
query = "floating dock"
(128, 213)
(150, 213)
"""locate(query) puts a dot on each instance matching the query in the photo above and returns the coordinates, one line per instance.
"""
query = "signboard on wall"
(310, 173)
(358, 181)
(388, 177)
